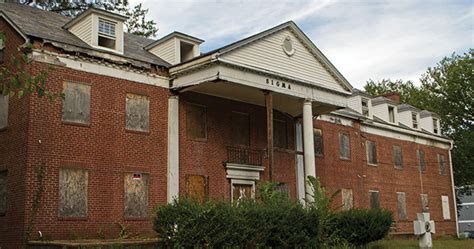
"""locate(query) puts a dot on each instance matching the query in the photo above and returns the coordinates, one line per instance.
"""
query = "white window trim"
(242, 182)
(367, 153)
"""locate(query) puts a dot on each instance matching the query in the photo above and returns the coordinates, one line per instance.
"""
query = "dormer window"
(391, 114)
(365, 107)
(414, 118)
(106, 37)
(435, 126)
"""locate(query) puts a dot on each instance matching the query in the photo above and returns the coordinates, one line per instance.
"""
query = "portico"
(223, 73)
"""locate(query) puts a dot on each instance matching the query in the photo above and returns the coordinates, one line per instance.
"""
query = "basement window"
(106, 34)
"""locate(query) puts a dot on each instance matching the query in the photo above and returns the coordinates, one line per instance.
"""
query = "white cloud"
(363, 39)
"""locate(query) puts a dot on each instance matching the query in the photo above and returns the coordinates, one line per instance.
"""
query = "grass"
(443, 243)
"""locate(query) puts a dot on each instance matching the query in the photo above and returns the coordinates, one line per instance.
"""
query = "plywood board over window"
(240, 128)
(76, 103)
(3, 192)
(441, 164)
(371, 148)
(397, 157)
(318, 142)
(196, 124)
(137, 109)
(136, 195)
(445, 207)
(197, 187)
(347, 199)
(3, 111)
(420, 155)
(401, 206)
(344, 146)
(73, 193)
(424, 203)
(374, 199)
(280, 134)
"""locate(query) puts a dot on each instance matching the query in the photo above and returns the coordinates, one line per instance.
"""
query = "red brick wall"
(104, 148)
(207, 157)
(337, 173)
(13, 141)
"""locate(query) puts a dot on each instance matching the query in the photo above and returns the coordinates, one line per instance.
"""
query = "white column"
(308, 143)
(300, 178)
(173, 149)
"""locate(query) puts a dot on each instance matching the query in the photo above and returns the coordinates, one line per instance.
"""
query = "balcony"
(244, 156)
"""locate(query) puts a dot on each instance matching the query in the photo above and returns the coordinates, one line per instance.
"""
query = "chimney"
(394, 96)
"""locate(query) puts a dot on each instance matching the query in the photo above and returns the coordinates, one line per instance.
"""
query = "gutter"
(454, 191)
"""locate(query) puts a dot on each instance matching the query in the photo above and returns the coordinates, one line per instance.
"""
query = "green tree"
(136, 23)
(448, 90)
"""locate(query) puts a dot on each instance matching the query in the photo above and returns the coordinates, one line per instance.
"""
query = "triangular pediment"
(301, 60)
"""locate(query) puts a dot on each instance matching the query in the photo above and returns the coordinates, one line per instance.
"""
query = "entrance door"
(242, 192)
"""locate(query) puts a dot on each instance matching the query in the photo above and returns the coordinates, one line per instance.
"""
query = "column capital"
(173, 97)
(308, 101)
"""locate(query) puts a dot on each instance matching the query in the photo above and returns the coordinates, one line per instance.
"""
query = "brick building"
(146, 121)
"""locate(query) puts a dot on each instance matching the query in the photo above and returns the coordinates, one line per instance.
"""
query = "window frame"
(319, 152)
(233, 140)
(367, 142)
(370, 198)
(394, 154)
(403, 206)
(128, 96)
(391, 114)
(285, 125)
(199, 139)
(441, 161)
(414, 120)
(435, 126)
(365, 109)
(5, 98)
(420, 159)
(341, 156)
(66, 83)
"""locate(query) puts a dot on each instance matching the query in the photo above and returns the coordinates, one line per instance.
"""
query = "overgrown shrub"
(361, 226)
(272, 220)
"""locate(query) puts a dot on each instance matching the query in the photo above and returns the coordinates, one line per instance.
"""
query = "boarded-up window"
(136, 195)
(371, 147)
(347, 199)
(397, 157)
(445, 206)
(3, 192)
(240, 128)
(424, 203)
(401, 206)
(318, 142)
(137, 112)
(241, 192)
(2, 47)
(344, 146)
(283, 188)
(197, 187)
(73, 193)
(196, 127)
(280, 134)
(374, 198)
(3, 111)
(441, 164)
(76, 103)
(420, 155)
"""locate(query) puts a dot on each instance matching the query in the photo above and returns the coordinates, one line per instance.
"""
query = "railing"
(244, 156)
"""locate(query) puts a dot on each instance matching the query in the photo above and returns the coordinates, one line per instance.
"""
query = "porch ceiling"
(284, 103)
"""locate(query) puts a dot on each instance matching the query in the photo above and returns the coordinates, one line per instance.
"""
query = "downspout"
(454, 192)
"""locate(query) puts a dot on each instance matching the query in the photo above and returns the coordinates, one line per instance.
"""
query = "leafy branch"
(16, 78)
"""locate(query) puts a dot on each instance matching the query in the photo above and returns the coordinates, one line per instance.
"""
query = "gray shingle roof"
(35, 22)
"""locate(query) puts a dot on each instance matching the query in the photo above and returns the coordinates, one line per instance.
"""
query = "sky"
(367, 39)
